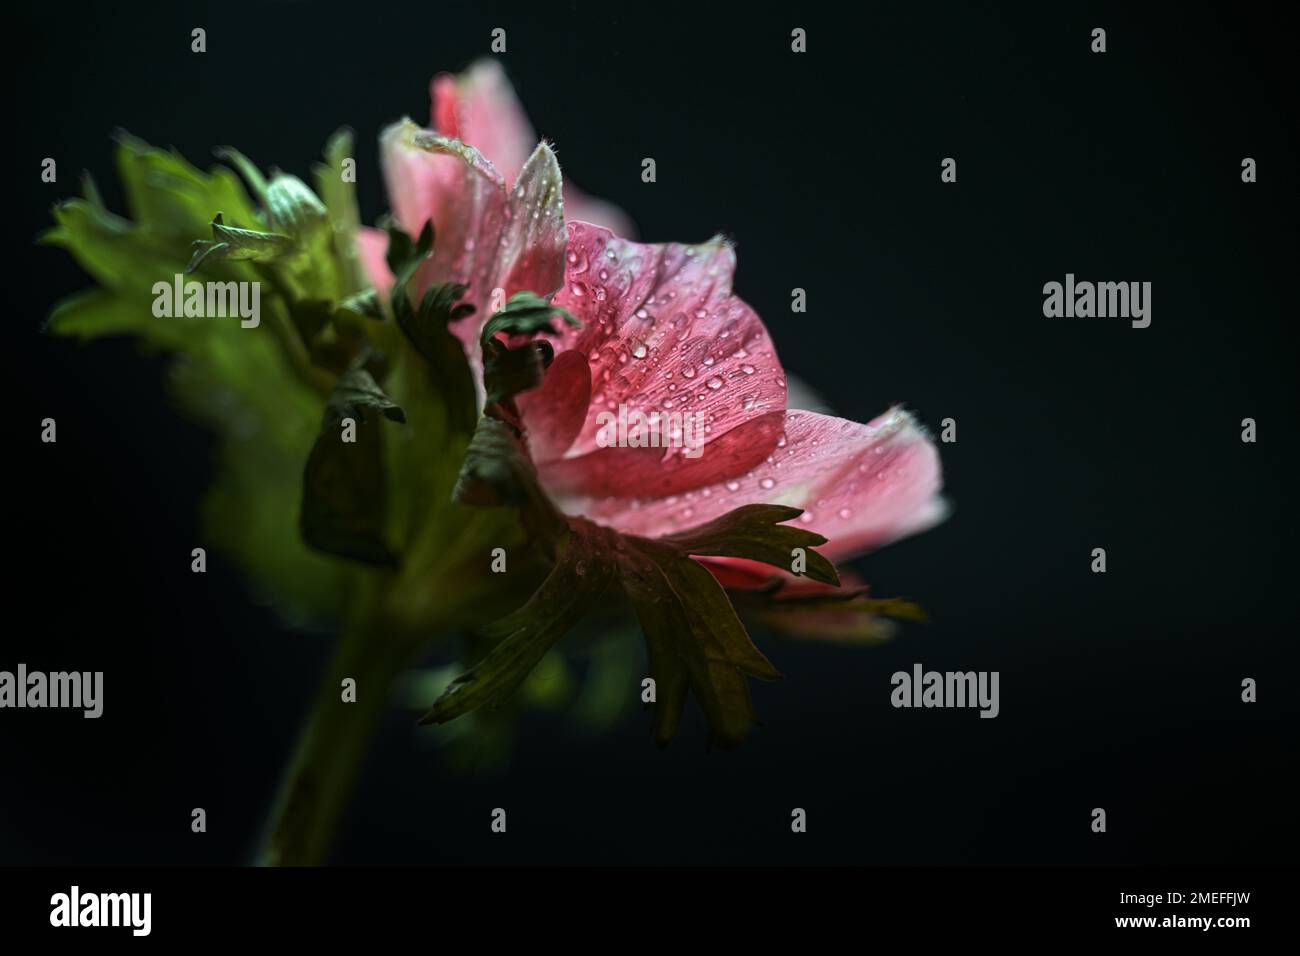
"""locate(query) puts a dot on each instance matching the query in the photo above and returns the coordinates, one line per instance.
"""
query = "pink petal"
(645, 472)
(372, 247)
(555, 411)
(579, 207)
(431, 177)
(742, 574)
(531, 254)
(861, 486)
(480, 108)
(483, 237)
(663, 332)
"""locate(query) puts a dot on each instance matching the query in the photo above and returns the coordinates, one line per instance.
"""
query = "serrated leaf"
(356, 393)
(497, 470)
(334, 337)
(363, 304)
(170, 199)
(117, 254)
(426, 330)
(507, 372)
(526, 313)
(344, 493)
(247, 168)
(755, 532)
(230, 243)
(848, 616)
(340, 198)
(523, 638)
(694, 634)
(243, 385)
(404, 257)
(293, 210)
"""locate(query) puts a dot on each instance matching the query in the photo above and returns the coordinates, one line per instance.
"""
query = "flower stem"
(330, 752)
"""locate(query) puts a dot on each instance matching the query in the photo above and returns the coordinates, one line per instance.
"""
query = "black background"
(1119, 690)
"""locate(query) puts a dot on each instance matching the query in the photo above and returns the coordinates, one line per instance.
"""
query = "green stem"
(331, 750)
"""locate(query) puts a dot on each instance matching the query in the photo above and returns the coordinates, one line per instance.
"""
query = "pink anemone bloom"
(661, 332)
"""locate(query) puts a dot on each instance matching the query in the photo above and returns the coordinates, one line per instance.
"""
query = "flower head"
(655, 329)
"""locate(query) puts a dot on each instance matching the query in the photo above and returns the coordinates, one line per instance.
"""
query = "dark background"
(1119, 690)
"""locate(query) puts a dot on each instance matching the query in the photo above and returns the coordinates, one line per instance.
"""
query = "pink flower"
(661, 332)
(479, 107)
(478, 165)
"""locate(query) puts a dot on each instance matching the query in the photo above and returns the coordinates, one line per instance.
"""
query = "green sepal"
(755, 532)
(696, 642)
(344, 492)
(522, 639)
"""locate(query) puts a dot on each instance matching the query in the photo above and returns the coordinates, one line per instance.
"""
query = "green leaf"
(847, 616)
(335, 337)
(356, 392)
(507, 372)
(577, 582)
(295, 211)
(116, 253)
(526, 314)
(247, 385)
(102, 312)
(340, 196)
(426, 330)
(363, 304)
(755, 532)
(173, 201)
(695, 640)
(405, 257)
(344, 495)
(247, 168)
(237, 244)
(498, 471)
